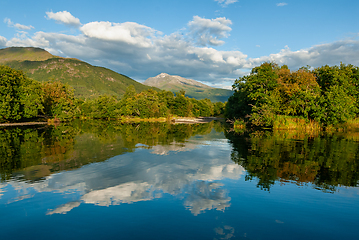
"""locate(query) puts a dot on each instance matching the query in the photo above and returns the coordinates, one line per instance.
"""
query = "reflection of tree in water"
(327, 161)
(27, 148)
(34, 153)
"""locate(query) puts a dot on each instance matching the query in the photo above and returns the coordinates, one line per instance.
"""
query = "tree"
(181, 105)
(148, 105)
(218, 108)
(255, 96)
(59, 100)
(339, 93)
(299, 92)
(20, 97)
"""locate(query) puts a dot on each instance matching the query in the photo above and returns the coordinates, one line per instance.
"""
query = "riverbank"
(190, 120)
(173, 120)
(22, 124)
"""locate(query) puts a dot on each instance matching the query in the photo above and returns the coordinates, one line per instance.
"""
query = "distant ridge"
(87, 80)
(193, 88)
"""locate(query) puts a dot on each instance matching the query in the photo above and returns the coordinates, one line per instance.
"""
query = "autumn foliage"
(327, 95)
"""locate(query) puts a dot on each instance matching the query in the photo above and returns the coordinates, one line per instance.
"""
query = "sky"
(212, 41)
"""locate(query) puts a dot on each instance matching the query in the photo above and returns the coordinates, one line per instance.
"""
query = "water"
(102, 180)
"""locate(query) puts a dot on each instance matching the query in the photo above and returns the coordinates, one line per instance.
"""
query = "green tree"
(255, 96)
(218, 108)
(20, 97)
(339, 93)
(148, 105)
(181, 105)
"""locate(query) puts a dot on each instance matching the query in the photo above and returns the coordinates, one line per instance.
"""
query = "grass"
(350, 125)
(296, 123)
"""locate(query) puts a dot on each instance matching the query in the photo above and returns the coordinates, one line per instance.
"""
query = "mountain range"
(91, 81)
(193, 89)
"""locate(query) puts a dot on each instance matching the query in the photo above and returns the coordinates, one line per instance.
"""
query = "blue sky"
(213, 41)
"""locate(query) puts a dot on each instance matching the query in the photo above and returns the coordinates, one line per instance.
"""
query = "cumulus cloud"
(17, 25)
(209, 31)
(282, 4)
(345, 51)
(128, 32)
(64, 17)
(226, 2)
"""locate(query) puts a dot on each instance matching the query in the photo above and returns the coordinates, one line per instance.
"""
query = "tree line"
(24, 98)
(328, 95)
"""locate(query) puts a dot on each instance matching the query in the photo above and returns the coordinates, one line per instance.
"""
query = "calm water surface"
(102, 180)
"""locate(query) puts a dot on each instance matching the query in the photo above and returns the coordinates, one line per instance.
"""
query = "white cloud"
(128, 32)
(64, 17)
(226, 2)
(17, 25)
(209, 31)
(282, 4)
(345, 51)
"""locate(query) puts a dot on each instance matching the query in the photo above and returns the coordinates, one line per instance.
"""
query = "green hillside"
(24, 53)
(193, 88)
(87, 80)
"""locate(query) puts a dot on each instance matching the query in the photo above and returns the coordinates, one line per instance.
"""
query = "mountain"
(193, 88)
(87, 80)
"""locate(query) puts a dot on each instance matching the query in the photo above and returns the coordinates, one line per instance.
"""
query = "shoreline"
(22, 124)
(175, 120)
(189, 120)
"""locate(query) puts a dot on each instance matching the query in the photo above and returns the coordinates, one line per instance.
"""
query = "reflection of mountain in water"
(193, 174)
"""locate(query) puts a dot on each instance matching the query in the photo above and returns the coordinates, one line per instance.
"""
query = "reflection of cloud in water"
(173, 147)
(206, 196)
(2, 186)
(124, 193)
(63, 209)
(227, 232)
(137, 176)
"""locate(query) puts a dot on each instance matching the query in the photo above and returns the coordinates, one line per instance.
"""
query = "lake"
(106, 180)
